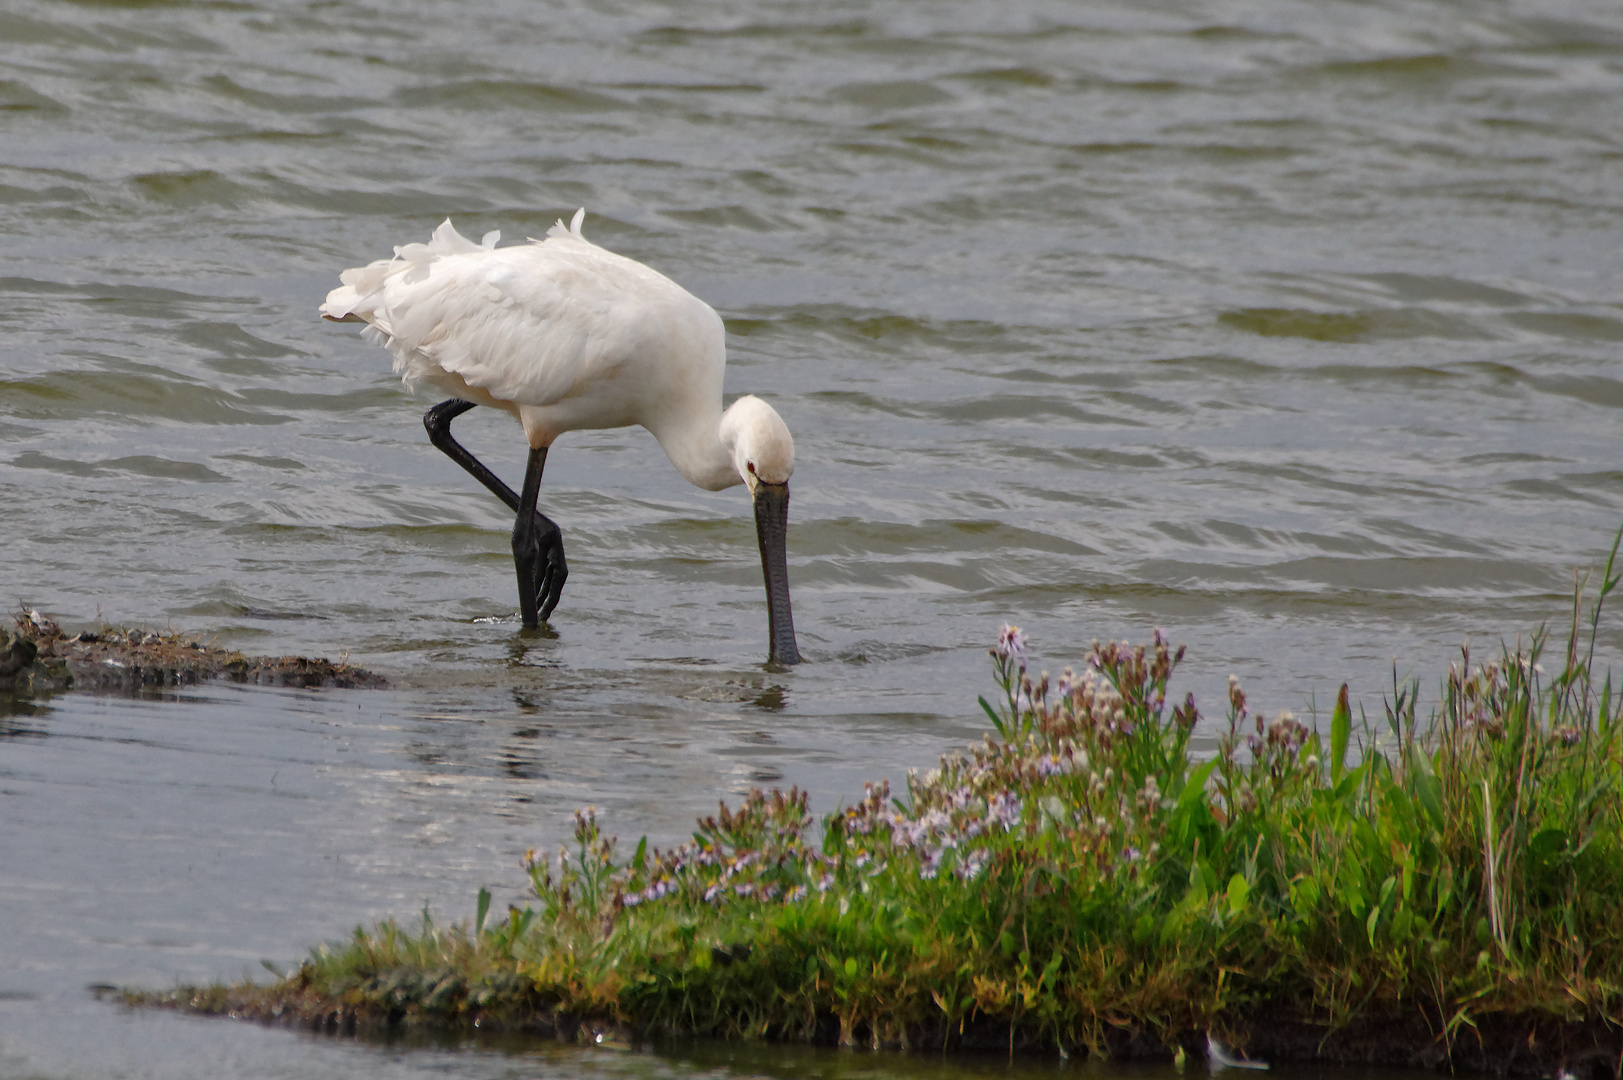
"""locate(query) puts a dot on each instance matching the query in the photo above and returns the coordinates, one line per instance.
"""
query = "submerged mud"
(38, 657)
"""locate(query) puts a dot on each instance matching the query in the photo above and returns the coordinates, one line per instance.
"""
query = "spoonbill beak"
(772, 530)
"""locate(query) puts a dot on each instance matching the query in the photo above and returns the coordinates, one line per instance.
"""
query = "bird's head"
(759, 441)
(764, 455)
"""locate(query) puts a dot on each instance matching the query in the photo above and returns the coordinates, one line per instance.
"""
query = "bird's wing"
(526, 324)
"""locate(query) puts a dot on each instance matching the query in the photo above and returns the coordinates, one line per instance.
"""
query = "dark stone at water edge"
(38, 658)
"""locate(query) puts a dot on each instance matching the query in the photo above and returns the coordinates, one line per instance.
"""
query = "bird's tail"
(572, 230)
(445, 241)
(351, 301)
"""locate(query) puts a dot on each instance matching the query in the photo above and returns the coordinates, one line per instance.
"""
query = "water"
(1289, 328)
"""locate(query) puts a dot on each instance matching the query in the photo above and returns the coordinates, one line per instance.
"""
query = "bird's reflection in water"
(533, 649)
(773, 698)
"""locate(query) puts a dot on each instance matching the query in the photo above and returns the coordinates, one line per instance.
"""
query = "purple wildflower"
(929, 862)
(1004, 808)
(971, 865)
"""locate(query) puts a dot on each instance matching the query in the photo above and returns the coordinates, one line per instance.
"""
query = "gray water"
(1291, 328)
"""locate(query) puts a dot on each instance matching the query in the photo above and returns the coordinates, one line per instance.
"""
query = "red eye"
(750, 465)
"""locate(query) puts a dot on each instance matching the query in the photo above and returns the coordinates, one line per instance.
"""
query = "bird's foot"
(538, 556)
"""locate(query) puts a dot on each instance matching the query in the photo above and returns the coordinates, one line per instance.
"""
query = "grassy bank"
(1396, 888)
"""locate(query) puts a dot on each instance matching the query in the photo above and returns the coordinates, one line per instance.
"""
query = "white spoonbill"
(568, 336)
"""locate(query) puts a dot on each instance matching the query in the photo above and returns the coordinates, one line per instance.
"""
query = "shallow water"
(1290, 328)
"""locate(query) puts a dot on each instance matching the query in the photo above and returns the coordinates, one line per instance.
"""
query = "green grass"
(1389, 889)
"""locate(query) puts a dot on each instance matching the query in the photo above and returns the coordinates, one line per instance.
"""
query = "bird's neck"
(691, 438)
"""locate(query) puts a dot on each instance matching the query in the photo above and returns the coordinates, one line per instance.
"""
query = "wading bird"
(567, 336)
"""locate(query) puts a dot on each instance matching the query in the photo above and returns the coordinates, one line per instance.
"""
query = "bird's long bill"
(772, 529)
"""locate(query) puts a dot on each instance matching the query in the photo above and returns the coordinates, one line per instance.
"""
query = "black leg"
(438, 422)
(538, 550)
(538, 543)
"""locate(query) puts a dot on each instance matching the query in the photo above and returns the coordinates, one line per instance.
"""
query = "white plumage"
(563, 334)
(566, 336)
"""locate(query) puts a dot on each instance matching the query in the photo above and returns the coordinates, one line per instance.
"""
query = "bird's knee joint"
(437, 419)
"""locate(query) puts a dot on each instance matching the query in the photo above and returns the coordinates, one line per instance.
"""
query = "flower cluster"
(1079, 760)
(1039, 777)
(948, 811)
(758, 852)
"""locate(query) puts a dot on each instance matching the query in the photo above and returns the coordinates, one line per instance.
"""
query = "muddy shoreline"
(1520, 1045)
(38, 657)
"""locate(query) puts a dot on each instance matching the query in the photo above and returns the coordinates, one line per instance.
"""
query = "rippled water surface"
(1292, 328)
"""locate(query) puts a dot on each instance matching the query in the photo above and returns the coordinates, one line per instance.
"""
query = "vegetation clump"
(1389, 891)
(39, 657)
